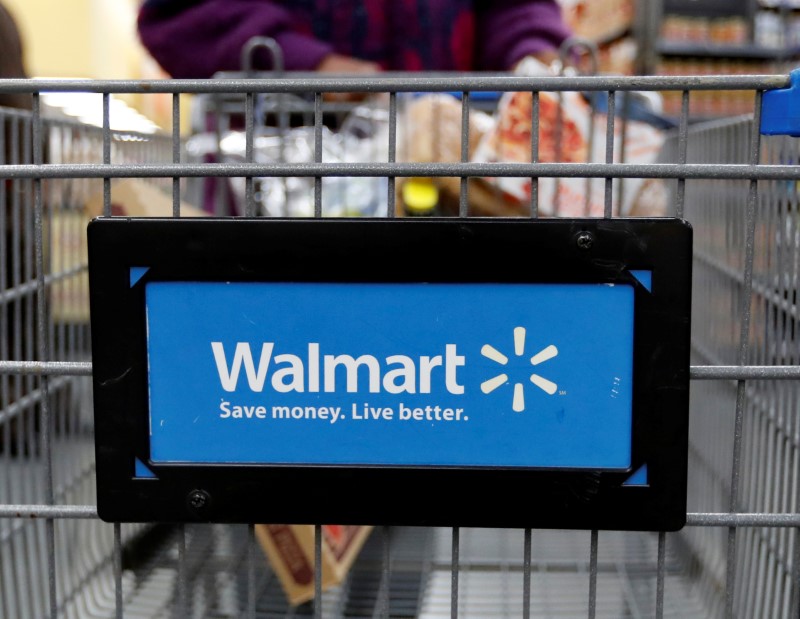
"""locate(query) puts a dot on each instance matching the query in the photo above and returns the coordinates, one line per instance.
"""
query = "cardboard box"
(290, 550)
(133, 197)
(67, 252)
(599, 20)
(67, 255)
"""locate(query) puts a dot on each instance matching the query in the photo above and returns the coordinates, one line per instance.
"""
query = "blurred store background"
(97, 39)
(91, 39)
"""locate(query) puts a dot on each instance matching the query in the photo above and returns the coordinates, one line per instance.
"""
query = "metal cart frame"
(764, 532)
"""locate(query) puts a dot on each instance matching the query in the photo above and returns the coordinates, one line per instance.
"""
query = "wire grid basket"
(737, 557)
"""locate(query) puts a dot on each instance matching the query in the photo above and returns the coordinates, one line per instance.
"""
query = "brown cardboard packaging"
(134, 197)
(599, 20)
(290, 550)
(67, 252)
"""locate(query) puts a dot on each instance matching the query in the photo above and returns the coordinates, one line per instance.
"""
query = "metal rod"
(795, 601)
(249, 192)
(5, 383)
(511, 170)
(463, 203)
(273, 48)
(593, 575)
(454, 574)
(118, 570)
(106, 154)
(21, 291)
(43, 351)
(526, 575)
(696, 372)
(408, 82)
(608, 202)
(693, 519)
(587, 201)
(744, 342)
(183, 586)
(49, 511)
(176, 153)
(386, 573)
(534, 153)
(391, 209)
(318, 153)
(221, 205)
(251, 571)
(283, 129)
(744, 372)
(683, 145)
(660, 574)
(623, 145)
(558, 132)
(740, 520)
(40, 368)
(318, 571)
(23, 403)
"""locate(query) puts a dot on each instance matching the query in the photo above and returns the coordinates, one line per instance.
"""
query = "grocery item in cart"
(290, 550)
(67, 251)
(294, 196)
(135, 197)
(569, 132)
(432, 134)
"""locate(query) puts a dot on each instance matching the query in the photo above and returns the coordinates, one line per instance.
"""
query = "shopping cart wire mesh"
(738, 556)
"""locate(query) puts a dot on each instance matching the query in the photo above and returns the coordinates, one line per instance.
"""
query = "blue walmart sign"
(510, 375)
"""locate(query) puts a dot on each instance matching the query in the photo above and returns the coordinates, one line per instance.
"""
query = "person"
(197, 38)
(11, 60)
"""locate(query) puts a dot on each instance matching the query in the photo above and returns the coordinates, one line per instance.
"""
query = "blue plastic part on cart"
(780, 109)
(478, 95)
(645, 278)
(489, 96)
(142, 471)
(639, 478)
(137, 273)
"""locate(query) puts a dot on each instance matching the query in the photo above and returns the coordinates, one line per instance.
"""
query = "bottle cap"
(420, 195)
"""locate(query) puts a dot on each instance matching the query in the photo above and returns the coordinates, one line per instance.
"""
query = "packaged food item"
(290, 550)
(569, 132)
(420, 197)
(729, 30)
(133, 197)
(431, 133)
(432, 125)
(68, 252)
(342, 196)
(598, 20)
(619, 57)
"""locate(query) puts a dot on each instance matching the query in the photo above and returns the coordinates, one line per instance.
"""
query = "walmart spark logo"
(518, 402)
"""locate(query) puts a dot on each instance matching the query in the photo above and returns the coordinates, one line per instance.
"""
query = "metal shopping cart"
(739, 556)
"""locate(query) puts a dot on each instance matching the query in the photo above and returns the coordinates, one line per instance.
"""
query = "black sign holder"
(438, 250)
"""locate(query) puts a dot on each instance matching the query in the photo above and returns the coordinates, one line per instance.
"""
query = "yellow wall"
(90, 39)
(79, 38)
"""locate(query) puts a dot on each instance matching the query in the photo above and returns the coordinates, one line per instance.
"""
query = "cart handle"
(780, 109)
(267, 43)
(573, 45)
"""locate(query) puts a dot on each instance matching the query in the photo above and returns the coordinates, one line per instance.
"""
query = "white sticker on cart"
(512, 375)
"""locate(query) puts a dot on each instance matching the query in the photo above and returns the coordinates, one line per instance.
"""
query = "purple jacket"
(196, 38)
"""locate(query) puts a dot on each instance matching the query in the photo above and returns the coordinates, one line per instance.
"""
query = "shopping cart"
(739, 555)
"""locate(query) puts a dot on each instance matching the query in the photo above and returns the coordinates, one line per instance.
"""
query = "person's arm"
(509, 30)
(197, 39)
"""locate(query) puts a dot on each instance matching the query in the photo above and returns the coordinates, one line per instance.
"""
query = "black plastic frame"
(431, 250)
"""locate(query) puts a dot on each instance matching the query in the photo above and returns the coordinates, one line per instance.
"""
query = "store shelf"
(702, 50)
(790, 5)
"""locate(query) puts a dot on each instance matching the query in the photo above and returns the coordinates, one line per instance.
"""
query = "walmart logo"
(518, 402)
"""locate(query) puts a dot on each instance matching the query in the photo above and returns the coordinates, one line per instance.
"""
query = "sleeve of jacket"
(509, 30)
(197, 39)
